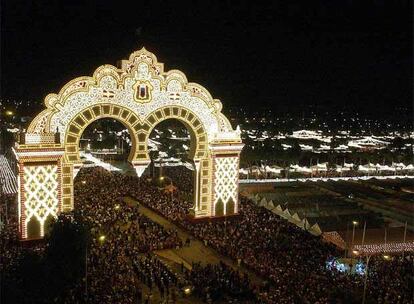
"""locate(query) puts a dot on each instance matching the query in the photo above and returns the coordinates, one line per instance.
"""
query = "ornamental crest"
(142, 91)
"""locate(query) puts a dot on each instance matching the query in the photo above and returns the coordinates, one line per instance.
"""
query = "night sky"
(333, 54)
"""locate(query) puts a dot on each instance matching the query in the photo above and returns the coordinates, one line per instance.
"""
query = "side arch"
(199, 137)
(84, 118)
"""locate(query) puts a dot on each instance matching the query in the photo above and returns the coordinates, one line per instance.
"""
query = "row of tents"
(324, 167)
(285, 213)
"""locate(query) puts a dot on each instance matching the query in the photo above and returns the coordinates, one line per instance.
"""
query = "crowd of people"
(152, 272)
(392, 281)
(218, 282)
(9, 233)
(181, 175)
(10, 250)
(119, 233)
(119, 260)
(128, 234)
(292, 259)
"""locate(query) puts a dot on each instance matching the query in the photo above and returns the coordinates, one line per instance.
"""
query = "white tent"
(243, 171)
(306, 224)
(299, 169)
(350, 165)
(274, 169)
(278, 210)
(339, 168)
(263, 202)
(315, 229)
(295, 218)
(320, 167)
(270, 205)
(367, 168)
(409, 167)
(287, 214)
(384, 168)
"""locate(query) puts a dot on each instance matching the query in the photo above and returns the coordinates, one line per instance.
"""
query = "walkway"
(196, 252)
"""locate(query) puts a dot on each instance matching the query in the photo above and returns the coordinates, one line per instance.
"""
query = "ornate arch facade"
(139, 94)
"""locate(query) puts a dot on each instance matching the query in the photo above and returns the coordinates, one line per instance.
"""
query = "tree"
(25, 284)
(45, 277)
(65, 254)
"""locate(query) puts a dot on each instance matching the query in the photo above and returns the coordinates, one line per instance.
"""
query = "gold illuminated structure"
(140, 95)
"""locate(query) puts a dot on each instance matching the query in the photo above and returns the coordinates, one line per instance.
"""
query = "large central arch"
(139, 94)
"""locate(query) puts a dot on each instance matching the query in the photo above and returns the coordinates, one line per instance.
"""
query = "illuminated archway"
(140, 95)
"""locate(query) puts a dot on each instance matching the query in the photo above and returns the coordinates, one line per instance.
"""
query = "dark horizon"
(286, 56)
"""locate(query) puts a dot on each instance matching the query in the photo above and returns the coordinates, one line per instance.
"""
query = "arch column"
(196, 187)
(40, 190)
(225, 159)
(217, 180)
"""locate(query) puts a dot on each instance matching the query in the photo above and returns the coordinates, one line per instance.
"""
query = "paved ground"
(196, 252)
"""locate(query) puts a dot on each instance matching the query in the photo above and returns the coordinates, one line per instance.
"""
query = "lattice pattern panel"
(41, 195)
(226, 179)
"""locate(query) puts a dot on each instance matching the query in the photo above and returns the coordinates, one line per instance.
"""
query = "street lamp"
(354, 224)
(86, 272)
(365, 280)
(187, 290)
(102, 238)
